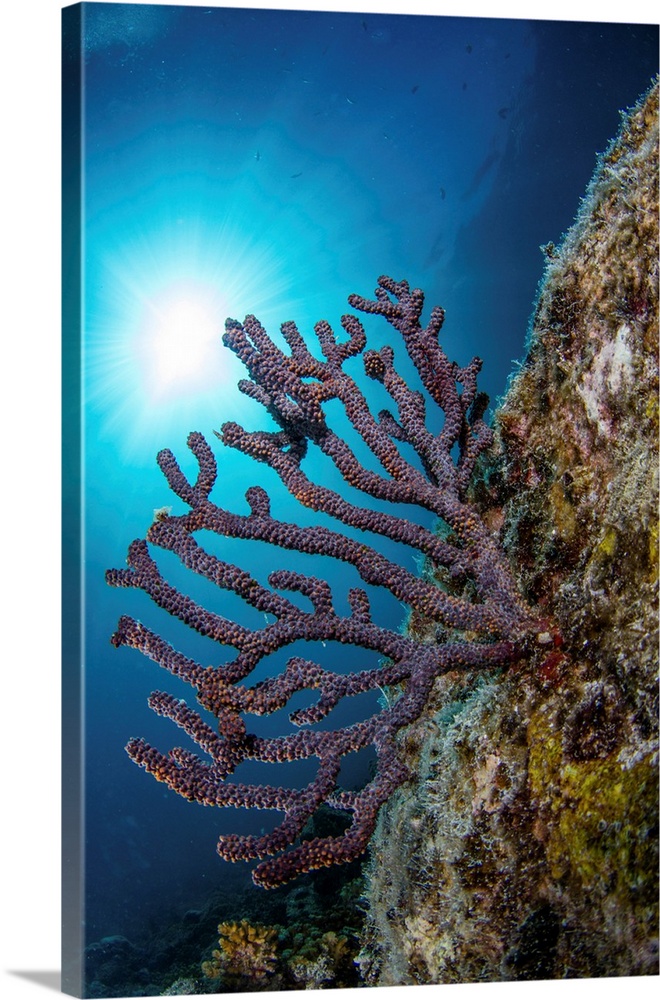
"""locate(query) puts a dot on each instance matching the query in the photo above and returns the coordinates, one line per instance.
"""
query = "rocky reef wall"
(527, 846)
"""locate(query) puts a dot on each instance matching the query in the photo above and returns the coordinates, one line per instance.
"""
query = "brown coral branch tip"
(482, 625)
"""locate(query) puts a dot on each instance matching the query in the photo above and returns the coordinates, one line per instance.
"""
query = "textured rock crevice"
(526, 847)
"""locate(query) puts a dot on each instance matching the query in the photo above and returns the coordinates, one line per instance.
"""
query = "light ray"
(154, 361)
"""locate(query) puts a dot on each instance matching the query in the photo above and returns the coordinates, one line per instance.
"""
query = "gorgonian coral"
(483, 620)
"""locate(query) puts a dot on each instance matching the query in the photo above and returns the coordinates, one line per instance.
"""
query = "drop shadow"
(48, 980)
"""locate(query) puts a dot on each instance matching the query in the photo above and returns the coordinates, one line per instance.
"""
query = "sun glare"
(155, 312)
(178, 341)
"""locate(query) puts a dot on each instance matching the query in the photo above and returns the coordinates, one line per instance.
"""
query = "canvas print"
(360, 492)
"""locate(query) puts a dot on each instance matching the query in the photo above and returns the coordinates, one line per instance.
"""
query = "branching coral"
(483, 615)
(320, 961)
(246, 951)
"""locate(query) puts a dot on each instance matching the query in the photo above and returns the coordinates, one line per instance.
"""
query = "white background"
(29, 476)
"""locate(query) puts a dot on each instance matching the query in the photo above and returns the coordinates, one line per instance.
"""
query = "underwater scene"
(366, 391)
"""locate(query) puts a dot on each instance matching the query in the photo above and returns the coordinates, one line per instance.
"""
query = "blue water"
(243, 161)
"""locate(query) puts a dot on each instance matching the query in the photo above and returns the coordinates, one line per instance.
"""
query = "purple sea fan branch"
(488, 624)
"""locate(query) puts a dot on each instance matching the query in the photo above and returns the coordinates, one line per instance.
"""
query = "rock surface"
(527, 847)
